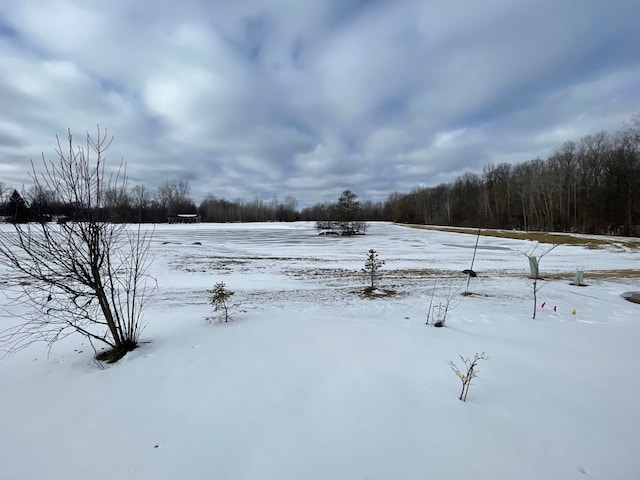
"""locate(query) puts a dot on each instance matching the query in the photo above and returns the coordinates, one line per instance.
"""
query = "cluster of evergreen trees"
(591, 185)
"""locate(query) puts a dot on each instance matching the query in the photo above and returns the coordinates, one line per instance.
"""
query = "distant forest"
(590, 185)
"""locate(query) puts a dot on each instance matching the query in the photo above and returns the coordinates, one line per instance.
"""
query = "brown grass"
(541, 237)
(370, 292)
(596, 274)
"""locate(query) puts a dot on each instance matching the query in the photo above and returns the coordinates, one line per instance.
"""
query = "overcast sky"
(310, 97)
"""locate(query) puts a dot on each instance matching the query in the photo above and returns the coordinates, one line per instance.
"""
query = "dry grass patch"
(541, 237)
(375, 292)
(596, 274)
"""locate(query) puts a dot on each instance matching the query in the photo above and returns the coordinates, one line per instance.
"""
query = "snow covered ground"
(313, 380)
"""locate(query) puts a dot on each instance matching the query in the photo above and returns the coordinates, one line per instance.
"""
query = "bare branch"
(87, 276)
(468, 373)
(534, 264)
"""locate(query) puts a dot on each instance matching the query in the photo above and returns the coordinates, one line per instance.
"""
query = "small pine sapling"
(470, 372)
(372, 268)
(220, 297)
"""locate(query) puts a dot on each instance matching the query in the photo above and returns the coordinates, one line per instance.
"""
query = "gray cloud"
(251, 98)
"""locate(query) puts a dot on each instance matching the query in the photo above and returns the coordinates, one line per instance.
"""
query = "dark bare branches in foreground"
(84, 275)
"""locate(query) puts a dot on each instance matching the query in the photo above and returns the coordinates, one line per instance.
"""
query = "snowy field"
(313, 380)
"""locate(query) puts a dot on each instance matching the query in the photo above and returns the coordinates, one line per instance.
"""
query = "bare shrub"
(468, 372)
(536, 280)
(444, 298)
(86, 275)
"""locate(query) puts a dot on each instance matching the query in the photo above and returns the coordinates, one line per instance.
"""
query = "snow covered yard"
(312, 380)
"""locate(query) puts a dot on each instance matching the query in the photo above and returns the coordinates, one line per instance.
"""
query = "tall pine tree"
(17, 208)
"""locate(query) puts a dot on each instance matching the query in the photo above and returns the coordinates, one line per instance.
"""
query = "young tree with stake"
(534, 264)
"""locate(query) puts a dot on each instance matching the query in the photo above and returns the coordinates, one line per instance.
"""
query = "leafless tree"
(444, 298)
(534, 264)
(141, 198)
(42, 201)
(86, 276)
(588, 185)
(173, 196)
(3, 192)
(468, 373)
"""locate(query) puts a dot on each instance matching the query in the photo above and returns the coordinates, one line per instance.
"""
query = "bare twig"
(534, 263)
(468, 373)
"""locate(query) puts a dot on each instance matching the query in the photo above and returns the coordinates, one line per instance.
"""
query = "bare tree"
(118, 203)
(470, 372)
(173, 196)
(86, 276)
(43, 202)
(534, 265)
(3, 192)
(141, 198)
(443, 299)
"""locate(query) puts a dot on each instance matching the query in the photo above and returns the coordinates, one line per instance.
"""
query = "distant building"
(184, 218)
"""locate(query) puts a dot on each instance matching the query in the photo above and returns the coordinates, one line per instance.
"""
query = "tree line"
(590, 185)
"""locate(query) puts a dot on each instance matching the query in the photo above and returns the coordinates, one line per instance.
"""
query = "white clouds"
(186, 99)
(58, 24)
(254, 98)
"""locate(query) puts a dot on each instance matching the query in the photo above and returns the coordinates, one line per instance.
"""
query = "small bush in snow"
(220, 297)
(372, 268)
(468, 372)
(444, 298)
